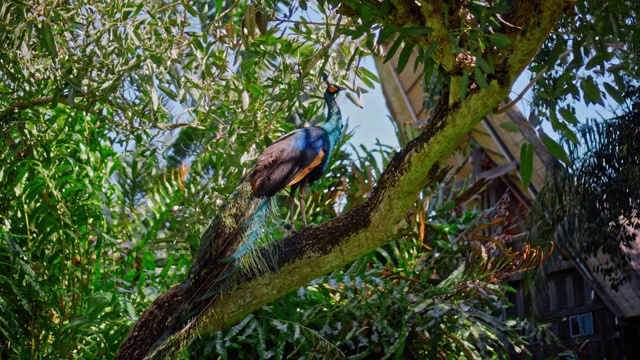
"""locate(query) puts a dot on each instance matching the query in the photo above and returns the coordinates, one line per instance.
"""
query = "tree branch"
(294, 261)
(64, 99)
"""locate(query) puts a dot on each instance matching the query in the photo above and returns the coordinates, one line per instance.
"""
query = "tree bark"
(294, 261)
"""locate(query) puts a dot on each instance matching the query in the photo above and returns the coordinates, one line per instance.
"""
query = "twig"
(307, 22)
(25, 104)
(506, 23)
(63, 99)
(535, 79)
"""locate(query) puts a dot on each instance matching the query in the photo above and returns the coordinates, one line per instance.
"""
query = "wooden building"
(586, 315)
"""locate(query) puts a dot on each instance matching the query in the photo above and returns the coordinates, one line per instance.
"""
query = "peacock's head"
(332, 88)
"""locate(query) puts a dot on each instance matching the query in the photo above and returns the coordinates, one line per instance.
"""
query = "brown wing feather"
(283, 164)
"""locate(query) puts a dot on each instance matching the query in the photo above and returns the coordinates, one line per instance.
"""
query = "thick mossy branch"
(307, 255)
(296, 260)
(533, 20)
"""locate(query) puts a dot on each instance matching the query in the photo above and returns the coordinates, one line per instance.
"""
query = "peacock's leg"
(301, 193)
(292, 202)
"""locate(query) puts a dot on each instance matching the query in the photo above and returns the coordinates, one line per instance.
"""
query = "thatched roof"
(405, 99)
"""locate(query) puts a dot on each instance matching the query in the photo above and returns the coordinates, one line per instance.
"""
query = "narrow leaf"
(188, 8)
(484, 65)
(591, 92)
(510, 126)
(366, 72)
(404, 57)
(500, 40)
(480, 80)
(555, 149)
(526, 164)
(355, 100)
(393, 49)
(431, 49)
(48, 41)
(464, 85)
(154, 98)
(385, 7)
(568, 116)
(614, 93)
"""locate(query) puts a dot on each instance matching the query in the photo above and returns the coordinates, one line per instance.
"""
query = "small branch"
(63, 99)
(25, 104)
(308, 22)
(195, 125)
(535, 79)
(222, 14)
(334, 37)
(506, 23)
(512, 103)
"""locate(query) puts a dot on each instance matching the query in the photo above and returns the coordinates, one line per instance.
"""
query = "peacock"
(297, 159)
(300, 157)
(227, 247)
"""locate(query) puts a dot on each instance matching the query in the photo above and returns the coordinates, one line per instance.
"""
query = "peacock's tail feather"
(231, 243)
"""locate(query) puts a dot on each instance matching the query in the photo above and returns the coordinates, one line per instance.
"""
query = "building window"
(561, 293)
(581, 325)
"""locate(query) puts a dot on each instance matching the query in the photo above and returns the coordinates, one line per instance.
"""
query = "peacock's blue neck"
(333, 125)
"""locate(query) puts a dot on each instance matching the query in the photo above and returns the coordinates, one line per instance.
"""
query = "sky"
(373, 121)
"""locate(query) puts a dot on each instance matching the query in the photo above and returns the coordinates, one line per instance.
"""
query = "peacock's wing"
(288, 160)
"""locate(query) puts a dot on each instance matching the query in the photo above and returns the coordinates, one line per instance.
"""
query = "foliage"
(591, 207)
(440, 290)
(95, 222)
(78, 255)
(100, 215)
(590, 60)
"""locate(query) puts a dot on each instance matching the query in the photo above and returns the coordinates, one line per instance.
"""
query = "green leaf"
(432, 48)
(480, 80)
(385, 7)
(591, 92)
(510, 126)
(557, 49)
(189, 9)
(386, 33)
(404, 57)
(526, 164)
(48, 41)
(568, 116)
(392, 50)
(500, 40)
(366, 72)
(429, 67)
(355, 100)
(415, 30)
(96, 303)
(614, 93)
(555, 149)
(464, 85)
(366, 14)
(136, 12)
(167, 90)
